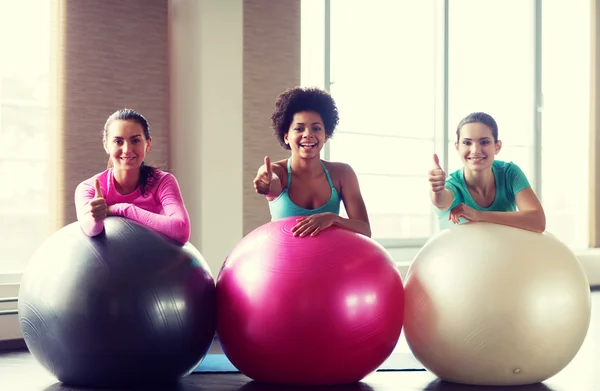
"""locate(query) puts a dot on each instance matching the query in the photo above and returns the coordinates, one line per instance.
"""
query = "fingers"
(437, 176)
(303, 228)
(268, 166)
(436, 187)
(262, 182)
(99, 213)
(98, 209)
(458, 212)
(98, 193)
(454, 218)
(98, 216)
(437, 180)
(436, 161)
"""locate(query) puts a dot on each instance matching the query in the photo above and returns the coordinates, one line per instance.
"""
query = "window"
(377, 70)
(24, 128)
(404, 73)
(565, 119)
(492, 70)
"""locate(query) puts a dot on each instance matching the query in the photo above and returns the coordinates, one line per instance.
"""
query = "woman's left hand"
(312, 225)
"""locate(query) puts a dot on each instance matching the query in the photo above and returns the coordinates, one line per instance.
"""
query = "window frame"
(441, 98)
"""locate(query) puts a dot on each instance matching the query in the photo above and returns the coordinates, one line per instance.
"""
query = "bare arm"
(441, 197)
(358, 219)
(530, 215)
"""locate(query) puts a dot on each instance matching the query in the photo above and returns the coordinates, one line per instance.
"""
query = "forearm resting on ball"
(359, 226)
(531, 220)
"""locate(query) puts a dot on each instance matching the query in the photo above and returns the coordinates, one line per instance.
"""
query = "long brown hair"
(147, 173)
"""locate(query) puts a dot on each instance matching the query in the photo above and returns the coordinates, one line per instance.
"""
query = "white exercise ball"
(488, 304)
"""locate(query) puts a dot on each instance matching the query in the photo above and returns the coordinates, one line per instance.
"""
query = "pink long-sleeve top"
(161, 208)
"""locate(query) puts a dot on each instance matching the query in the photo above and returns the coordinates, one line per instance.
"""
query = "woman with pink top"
(128, 187)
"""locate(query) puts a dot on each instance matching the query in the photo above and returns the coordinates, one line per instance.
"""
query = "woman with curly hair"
(304, 119)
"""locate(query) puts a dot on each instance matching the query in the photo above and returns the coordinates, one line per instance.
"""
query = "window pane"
(383, 155)
(387, 194)
(383, 78)
(312, 43)
(400, 226)
(383, 81)
(24, 132)
(565, 120)
(491, 65)
(398, 207)
(24, 127)
(382, 66)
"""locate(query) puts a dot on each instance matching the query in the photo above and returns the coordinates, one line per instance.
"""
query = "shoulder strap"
(327, 174)
(289, 178)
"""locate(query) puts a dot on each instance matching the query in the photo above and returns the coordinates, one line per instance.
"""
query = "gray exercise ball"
(127, 307)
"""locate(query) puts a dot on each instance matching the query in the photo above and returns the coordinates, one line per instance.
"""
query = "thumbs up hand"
(437, 176)
(98, 207)
(262, 182)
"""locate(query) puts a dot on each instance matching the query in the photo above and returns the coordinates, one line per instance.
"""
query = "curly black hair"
(297, 99)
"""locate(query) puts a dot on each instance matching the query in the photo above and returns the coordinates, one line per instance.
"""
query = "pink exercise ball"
(319, 310)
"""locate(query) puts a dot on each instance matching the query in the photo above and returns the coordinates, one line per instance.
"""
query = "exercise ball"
(316, 310)
(123, 308)
(488, 304)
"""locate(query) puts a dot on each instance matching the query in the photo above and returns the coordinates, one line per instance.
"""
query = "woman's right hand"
(98, 207)
(437, 176)
(264, 177)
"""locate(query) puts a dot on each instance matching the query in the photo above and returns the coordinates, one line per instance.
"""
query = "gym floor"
(20, 371)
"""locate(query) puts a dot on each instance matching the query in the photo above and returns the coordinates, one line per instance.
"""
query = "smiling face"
(306, 135)
(476, 146)
(126, 144)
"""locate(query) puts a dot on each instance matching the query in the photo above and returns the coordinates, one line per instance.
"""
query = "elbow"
(367, 232)
(183, 233)
(92, 228)
(540, 223)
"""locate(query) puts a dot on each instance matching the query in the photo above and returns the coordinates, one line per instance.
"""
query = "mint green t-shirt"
(510, 180)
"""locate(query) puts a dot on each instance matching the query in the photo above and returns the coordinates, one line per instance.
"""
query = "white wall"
(207, 120)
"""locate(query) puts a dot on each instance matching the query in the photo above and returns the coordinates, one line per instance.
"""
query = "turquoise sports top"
(510, 180)
(283, 206)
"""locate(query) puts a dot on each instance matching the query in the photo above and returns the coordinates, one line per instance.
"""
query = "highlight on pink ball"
(319, 310)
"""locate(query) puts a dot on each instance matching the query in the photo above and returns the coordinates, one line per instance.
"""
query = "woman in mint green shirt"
(304, 185)
(485, 189)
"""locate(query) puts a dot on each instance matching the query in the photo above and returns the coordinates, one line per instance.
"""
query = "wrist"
(117, 209)
(479, 215)
(335, 219)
